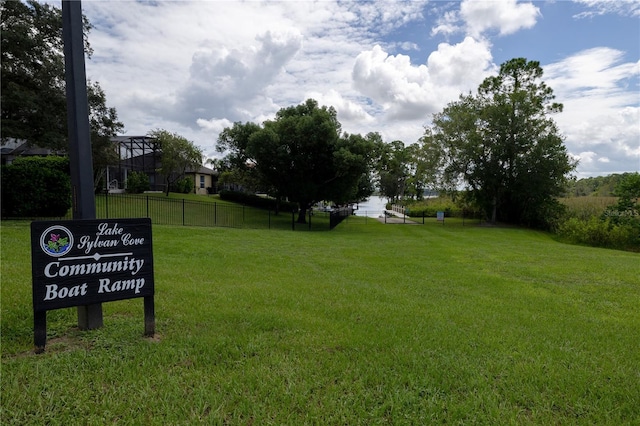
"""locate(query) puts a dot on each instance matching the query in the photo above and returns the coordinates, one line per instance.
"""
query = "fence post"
(106, 204)
(215, 213)
(183, 212)
(148, 206)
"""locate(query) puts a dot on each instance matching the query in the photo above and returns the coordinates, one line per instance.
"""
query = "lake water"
(373, 207)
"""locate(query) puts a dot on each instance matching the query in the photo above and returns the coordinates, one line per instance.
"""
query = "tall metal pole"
(81, 164)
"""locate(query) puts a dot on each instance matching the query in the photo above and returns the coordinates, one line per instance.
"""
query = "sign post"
(88, 262)
(80, 158)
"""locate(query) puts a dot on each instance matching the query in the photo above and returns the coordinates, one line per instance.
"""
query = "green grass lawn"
(367, 324)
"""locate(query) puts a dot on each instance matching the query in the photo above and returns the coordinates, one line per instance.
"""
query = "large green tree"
(426, 158)
(33, 84)
(405, 172)
(392, 168)
(302, 156)
(502, 144)
(33, 97)
(239, 168)
(179, 155)
(354, 160)
(627, 210)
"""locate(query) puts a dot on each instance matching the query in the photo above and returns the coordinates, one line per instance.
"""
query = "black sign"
(84, 262)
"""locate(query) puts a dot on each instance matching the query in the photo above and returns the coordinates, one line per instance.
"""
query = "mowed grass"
(367, 324)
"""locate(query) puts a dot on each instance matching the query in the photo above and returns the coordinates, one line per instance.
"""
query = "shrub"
(184, 185)
(627, 209)
(598, 233)
(137, 182)
(605, 221)
(36, 187)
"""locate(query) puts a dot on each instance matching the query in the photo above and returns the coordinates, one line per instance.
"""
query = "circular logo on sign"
(56, 241)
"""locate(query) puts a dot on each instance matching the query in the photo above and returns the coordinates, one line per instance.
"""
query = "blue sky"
(196, 67)
(558, 34)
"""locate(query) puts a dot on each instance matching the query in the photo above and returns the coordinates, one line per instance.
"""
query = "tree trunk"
(302, 215)
(97, 178)
(494, 210)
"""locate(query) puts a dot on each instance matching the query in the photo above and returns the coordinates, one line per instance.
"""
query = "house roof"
(130, 138)
(18, 147)
(203, 171)
(140, 151)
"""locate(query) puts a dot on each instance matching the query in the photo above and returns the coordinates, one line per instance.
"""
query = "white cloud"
(347, 110)
(447, 24)
(600, 113)
(602, 7)
(506, 16)
(406, 46)
(591, 71)
(463, 65)
(479, 17)
(193, 63)
(222, 82)
(214, 125)
(408, 91)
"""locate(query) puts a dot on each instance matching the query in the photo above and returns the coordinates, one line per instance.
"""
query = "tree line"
(499, 147)
(595, 186)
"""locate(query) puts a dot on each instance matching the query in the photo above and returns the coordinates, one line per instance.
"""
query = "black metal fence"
(338, 215)
(169, 211)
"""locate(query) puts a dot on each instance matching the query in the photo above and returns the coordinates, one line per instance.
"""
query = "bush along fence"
(167, 211)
